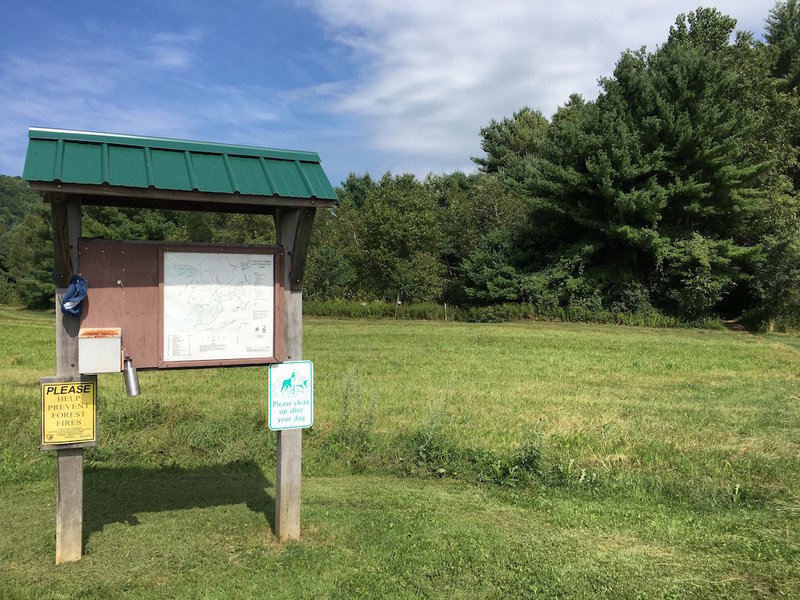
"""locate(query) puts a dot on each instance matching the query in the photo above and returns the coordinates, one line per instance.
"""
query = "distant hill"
(16, 201)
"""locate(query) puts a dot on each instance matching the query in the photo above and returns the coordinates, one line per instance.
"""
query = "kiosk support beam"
(66, 221)
(293, 227)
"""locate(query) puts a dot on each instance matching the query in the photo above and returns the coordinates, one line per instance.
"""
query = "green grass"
(446, 460)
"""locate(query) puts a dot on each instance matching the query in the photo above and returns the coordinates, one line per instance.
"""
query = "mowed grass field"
(446, 460)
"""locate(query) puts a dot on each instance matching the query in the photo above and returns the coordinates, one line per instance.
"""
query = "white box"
(100, 350)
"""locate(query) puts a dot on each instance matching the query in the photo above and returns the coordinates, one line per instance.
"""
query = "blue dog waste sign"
(291, 395)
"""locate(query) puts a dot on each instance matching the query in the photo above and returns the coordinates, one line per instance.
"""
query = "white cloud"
(433, 73)
(172, 50)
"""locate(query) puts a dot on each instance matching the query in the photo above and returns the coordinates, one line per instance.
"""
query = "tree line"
(675, 191)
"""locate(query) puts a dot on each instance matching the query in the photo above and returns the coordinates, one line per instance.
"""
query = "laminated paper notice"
(218, 306)
(69, 411)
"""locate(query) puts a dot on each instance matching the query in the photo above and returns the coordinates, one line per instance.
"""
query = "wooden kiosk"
(72, 168)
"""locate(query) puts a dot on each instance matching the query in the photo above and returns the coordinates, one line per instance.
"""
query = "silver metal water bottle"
(131, 378)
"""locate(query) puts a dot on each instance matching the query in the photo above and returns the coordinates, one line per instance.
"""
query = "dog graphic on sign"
(291, 386)
(288, 383)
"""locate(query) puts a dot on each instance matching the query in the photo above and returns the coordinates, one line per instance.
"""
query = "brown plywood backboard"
(125, 280)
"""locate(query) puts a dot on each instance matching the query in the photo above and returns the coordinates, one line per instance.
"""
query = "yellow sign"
(69, 412)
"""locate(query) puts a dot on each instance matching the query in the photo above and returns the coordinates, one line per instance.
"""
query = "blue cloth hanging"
(72, 302)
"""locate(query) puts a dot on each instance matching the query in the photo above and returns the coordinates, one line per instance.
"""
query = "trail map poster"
(218, 306)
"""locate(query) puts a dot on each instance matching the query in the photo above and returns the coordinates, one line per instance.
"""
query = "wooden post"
(293, 227)
(66, 222)
(69, 505)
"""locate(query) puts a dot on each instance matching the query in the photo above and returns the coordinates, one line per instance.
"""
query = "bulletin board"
(183, 305)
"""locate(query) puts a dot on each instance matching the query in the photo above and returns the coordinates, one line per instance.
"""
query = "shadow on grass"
(118, 494)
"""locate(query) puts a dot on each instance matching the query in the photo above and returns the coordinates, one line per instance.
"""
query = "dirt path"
(735, 326)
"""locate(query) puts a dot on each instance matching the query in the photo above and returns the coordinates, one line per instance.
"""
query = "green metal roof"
(102, 159)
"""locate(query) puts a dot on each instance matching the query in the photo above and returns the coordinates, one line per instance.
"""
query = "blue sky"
(372, 86)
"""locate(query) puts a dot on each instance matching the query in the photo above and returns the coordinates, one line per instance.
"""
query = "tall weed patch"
(431, 449)
(351, 441)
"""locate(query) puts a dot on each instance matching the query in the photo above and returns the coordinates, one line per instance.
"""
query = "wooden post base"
(69, 512)
(287, 485)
